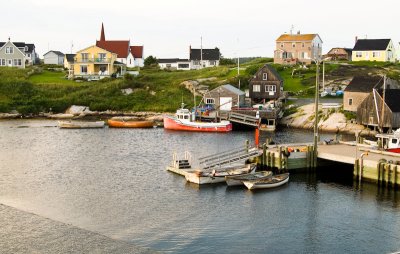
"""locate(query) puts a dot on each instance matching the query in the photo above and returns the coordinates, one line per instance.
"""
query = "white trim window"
(17, 62)
(212, 62)
(265, 76)
(376, 54)
(2, 62)
(256, 88)
(270, 88)
(84, 69)
(350, 101)
(358, 54)
(9, 50)
(210, 101)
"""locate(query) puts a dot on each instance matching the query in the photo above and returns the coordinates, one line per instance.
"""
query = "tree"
(150, 61)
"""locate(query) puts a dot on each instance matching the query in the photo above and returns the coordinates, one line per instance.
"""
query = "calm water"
(113, 181)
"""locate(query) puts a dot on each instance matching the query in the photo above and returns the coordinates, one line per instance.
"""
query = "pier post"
(264, 155)
(268, 156)
(395, 177)
(379, 172)
(247, 145)
(280, 158)
(273, 160)
(356, 171)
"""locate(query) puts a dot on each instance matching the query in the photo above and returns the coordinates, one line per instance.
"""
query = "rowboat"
(267, 182)
(238, 180)
(216, 175)
(182, 121)
(130, 124)
(80, 124)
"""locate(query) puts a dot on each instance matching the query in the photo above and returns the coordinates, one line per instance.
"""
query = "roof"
(371, 44)
(364, 84)
(392, 98)
(296, 37)
(121, 48)
(137, 51)
(233, 89)
(70, 57)
(272, 69)
(171, 60)
(30, 46)
(118, 63)
(55, 52)
(208, 54)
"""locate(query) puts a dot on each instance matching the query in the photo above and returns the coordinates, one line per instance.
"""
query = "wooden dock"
(369, 164)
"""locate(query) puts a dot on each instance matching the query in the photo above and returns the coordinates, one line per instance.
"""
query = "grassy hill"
(34, 90)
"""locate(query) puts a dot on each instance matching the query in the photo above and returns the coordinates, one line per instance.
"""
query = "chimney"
(356, 39)
(102, 36)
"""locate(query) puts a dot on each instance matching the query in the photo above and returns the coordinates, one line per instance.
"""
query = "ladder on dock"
(227, 157)
(242, 119)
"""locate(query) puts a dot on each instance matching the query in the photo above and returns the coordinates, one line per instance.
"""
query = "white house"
(202, 58)
(174, 64)
(11, 55)
(135, 57)
(54, 57)
(28, 49)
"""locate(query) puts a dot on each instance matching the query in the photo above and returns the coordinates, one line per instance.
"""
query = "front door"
(9, 62)
(225, 103)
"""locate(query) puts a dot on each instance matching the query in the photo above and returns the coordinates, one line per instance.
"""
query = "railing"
(228, 157)
(93, 60)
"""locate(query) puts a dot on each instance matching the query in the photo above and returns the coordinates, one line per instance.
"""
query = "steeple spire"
(102, 36)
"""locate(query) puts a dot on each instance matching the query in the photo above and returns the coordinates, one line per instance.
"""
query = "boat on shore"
(217, 175)
(238, 180)
(267, 182)
(129, 124)
(183, 120)
(391, 142)
(80, 124)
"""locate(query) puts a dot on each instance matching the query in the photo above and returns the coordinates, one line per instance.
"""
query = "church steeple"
(102, 36)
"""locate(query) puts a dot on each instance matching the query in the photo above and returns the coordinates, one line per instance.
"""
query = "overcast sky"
(166, 28)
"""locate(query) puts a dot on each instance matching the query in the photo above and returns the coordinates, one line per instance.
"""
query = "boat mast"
(383, 103)
(238, 75)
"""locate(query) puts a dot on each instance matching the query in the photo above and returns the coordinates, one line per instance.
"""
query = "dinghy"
(267, 182)
(217, 175)
(80, 124)
(238, 180)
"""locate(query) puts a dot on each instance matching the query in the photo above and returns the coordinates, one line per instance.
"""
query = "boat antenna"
(182, 104)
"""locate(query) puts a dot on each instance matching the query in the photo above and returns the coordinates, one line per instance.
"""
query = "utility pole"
(317, 61)
(201, 52)
(238, 75)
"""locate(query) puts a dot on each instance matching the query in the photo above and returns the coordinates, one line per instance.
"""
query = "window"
(210, 101)
(102, 57)
(256, 88)
(376, 54)
(350, 102)
(265, 76)
(29, 55)
(293, 45)
(2, 62)
(83, 69)
(358, 54)
(168, 65)
(130, 61)
(9, 50)
(26, 48)
(281, 45)
(303, 55)
(183, 66)
(85, 57)
(394, 140)
(303, 45)
(270, 88)
(196, 62)
(212, 63)
(17, 62)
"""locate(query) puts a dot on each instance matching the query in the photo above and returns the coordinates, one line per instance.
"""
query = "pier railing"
(228, 157)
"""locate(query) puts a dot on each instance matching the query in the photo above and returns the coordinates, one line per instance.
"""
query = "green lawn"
(50, 77)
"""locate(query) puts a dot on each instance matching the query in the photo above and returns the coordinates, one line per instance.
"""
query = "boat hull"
(393, 150)
(171, 123)
(238, 180)
(218, 176)
(130, 124)
(80, 124)
(271, 182)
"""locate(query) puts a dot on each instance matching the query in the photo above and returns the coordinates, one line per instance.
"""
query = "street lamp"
(317, 62)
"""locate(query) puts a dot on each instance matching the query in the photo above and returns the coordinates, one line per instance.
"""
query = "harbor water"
(113, 182)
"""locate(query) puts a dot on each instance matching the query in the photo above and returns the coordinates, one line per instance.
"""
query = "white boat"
(217, 175)
(391, 142)
(238, 180)
(267, 182)
(80, 124)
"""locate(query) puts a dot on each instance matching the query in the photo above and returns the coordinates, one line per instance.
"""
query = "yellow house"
(95, 63)
(380, 50)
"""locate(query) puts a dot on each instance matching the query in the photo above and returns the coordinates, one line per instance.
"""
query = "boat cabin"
(183, 114)
(391, 142)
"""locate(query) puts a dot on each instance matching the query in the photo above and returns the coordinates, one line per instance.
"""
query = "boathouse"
(265, 85)
(224, 97)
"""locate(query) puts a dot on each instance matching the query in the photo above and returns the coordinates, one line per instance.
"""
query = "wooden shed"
(265, 85)
(224, 97)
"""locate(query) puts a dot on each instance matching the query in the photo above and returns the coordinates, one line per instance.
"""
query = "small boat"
(267, 182)
(238, 180)
(182, 121)
(391, 142)
(129, 124)
(80, 124)
(217, 175)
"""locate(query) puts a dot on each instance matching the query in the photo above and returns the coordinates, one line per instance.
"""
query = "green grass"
(50, 77)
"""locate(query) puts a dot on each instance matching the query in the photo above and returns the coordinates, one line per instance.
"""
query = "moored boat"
(182, 121)
(217, 175)
(129, 124)
(391, 142)
(80, 124)
(238, 179)
(267, 182)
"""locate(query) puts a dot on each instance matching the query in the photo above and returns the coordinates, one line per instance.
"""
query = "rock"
(61, 116)
(127, 91)
(77, 110)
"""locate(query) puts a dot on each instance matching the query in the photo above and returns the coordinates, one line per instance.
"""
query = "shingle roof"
(55, 52)
(364, 84)
(276, 74)
(70, 57)
(137, 51)
(296, 37)
(121, 48)
(233, 89)
(171, 60)
(30, 46)
(208, 54)
(392, 98)
(371, 44)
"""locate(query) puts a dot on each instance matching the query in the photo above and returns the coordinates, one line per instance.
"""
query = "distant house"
(28, 49)
(224, 97)
(174, 64)
(54, 57)
(297, 48)
(380, 50)
(94, 63)
(266, 84)
(132, 56)
(69, 61)
(202, 58)
(339, 54)
(11, 55)
(373, 112)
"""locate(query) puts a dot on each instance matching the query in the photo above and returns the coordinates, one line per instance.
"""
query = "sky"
(167, 28)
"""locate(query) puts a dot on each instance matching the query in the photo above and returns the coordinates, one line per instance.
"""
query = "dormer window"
(9, 50)
(265, 76)
(26, 48)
